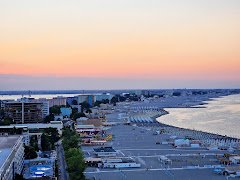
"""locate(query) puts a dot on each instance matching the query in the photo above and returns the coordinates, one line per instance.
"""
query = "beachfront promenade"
(159, 158)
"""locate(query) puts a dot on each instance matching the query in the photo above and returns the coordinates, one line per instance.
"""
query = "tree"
(45, 142)
(29, 152)
(74, 102)
(71, 142)
(55, 110)
(34, 142)
(176, 94)
(53, 133)
(49, 118)
(97, 103)
(104, 101)
(7, 121)
(73, 154)
(84, 106)
(76, 164)
(2, 112)
(114, 100)
(89, 111)
(49, 138)
(19, 177)
(78, 115)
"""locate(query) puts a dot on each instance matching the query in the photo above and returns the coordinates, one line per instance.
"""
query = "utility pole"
(22, 110)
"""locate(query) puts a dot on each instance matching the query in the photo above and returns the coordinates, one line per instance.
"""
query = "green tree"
(74, 102)
(84, 106)
(97, 103)
(89, 111)
(71, 142)
(78, 115)
(2, 113)
(49, 118)
(49, 138)
(76, 164)
(45, 142)
(29, 152)
(55, 110)
(73, 154)
(114, 100)
(34, 142)
(7, 121)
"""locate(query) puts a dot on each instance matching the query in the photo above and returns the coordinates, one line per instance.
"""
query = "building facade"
(57, 101)
(24, 112)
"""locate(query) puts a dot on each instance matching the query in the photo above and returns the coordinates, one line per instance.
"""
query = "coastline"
(194, 130)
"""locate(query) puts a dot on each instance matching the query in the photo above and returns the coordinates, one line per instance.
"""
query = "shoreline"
(194, 130)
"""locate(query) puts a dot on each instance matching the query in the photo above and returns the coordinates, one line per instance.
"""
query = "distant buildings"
(92, 98)
(89, 98)
(11, 156)
(57, 101)
(100, 97)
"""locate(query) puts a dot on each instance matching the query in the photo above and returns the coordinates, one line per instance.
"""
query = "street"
(62, 172)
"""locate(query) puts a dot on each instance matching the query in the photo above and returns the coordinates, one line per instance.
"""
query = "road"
(62, 172)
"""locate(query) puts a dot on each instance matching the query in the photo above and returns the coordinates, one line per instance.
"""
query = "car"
(158, 142)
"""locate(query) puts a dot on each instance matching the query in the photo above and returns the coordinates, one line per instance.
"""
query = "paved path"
(156, 169)
(63, 175)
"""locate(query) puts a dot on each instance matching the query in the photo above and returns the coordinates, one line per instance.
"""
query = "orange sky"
(153, 39)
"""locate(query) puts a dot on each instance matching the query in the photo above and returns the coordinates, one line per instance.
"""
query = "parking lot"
(140, 144)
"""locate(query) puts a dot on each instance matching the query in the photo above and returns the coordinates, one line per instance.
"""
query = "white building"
(11, 156)
(119, 163)
(235, 159)
(182, 142)
(38, 127)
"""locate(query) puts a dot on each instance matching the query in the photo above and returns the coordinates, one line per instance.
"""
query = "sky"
(120, 44)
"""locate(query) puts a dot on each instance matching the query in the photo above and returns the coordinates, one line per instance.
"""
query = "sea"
(220, 116)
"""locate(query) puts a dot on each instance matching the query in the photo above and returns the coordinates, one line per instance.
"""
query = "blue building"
(66, 111)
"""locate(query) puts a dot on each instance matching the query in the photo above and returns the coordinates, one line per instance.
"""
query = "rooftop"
(85, 126)
(39, 125)
(6, 145)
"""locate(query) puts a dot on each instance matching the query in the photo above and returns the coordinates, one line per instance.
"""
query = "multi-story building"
(24, 112)
(11, 156)
(2, 102)
(45, 105)
(92, 98)
(100, 97)
(89, 98)
(57, 101)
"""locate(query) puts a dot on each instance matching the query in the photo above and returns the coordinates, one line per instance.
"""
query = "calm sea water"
(221, 116)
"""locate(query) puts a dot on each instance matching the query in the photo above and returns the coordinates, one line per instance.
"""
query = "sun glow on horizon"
(124, 39)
